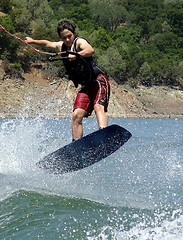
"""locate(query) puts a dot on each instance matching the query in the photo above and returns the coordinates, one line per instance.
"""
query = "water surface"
(136, 193)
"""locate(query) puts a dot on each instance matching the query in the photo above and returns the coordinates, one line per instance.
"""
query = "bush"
(101, 39)
(164, 72)
(145, 74)
(8, 44)
(112, 63)
(6, 6)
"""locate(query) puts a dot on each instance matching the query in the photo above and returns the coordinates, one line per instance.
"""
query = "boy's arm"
(45, 43)
(84, 48)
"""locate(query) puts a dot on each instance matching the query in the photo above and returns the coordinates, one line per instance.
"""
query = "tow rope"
(21, 40)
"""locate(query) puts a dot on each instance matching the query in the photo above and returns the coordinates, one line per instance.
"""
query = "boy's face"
(67, 37)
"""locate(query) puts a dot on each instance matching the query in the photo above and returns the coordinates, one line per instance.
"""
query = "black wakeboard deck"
(85, 151)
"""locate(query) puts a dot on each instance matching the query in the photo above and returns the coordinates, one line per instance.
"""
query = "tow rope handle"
(51, 59)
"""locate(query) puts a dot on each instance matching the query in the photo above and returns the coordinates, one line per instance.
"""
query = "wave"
(144, 173)
(55, 217)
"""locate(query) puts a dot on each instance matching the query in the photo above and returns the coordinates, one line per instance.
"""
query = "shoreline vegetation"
(35, 96)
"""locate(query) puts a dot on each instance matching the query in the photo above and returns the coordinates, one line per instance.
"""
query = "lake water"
(136, 193)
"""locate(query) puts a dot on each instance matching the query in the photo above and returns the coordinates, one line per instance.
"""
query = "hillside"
(35, 96)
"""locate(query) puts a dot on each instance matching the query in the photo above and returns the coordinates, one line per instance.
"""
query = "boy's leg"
(101, 115)
(77, 128)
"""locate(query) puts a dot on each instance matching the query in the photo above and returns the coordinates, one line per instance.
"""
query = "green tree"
(22, 18)
(165, 41)
(145, 74)
(112, 63)
(175, 17)
(44, 12)
(108, 13)
(8, 44)
(6, 6)
(35, 16)
(101, 39)
(180, 74)
(130, 35)
(145, 13)
(164, 71)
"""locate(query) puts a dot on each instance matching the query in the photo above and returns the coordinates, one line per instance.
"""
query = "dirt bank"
(36, 96)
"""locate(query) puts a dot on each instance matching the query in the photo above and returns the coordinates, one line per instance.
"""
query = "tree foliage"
(8, 45)
(110, 13)
(6, 6)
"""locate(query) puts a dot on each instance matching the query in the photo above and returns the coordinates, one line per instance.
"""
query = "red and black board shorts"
(96, 92)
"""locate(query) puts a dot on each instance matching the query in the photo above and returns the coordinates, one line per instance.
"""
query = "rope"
(21, 40)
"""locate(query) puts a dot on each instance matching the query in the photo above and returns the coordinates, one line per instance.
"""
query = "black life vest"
(83, 70)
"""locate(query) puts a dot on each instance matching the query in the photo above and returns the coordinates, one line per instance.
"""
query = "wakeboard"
(86, 151)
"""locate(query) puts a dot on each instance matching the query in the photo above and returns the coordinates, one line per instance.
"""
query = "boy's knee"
(98, 108)
(77, 116)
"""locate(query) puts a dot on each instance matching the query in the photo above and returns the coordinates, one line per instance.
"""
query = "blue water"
(136, 193)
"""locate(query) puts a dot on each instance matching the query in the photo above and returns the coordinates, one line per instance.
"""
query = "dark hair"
(65, 24)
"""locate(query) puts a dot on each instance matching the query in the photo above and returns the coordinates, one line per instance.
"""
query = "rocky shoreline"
(35, 96)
